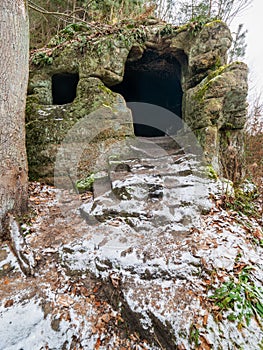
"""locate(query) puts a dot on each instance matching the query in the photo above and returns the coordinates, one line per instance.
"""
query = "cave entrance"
(64, 88)
(154, 80)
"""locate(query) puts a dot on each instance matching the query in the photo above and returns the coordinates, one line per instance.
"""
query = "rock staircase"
(139, 229)
(153, 185)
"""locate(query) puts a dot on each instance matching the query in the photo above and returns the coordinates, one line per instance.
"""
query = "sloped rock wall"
(214, 93)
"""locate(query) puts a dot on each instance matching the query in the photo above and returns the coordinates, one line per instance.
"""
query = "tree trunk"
(14, 43)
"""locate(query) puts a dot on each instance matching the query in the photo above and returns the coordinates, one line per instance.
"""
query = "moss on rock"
(214, 93)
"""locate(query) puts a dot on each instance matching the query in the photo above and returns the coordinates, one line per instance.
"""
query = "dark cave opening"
(155, 82)
(64, 88)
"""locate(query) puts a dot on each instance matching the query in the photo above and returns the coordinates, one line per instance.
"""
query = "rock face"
(214, 93)
(156, 256)
(136, 265)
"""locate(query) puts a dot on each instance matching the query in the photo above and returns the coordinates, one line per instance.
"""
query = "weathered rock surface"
(50, 309)
(146, 248)
(153, 186)
(155, 254)
(214, 93)
(161, 284)
(216, 109)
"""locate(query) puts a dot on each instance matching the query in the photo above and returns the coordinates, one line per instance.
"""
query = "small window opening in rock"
(64, 88)
(154, 80)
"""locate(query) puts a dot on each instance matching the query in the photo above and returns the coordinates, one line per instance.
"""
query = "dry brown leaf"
(96, 289)
(204, 343)
(93, 330)
(66, 316)
(239, 267)
(6, 281)
(215, 308)
(100, 324)
(65, 300)
(98, 344)
(205, 319)
(181, 347)
(97, 303)
(105, 318)
(9, 303)
(114, 223)
(257, 233)
(207, 282)
(84, 291)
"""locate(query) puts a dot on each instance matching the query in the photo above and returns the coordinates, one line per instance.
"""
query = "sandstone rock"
(214, 92)
(218, 103)
(155, 256)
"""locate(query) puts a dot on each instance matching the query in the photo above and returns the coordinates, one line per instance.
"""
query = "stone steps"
(155, 190)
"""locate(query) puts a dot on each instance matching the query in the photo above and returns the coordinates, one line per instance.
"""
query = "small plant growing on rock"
(86, 184)
(194, 335)
(242, 297)
(42, 58)
(197, 23)
(243, 201)
(211, 173)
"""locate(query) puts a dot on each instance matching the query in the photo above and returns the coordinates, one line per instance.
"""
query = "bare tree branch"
(71, 16)
(45, 12)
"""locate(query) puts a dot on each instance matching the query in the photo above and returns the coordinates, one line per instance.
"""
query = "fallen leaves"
(239, 267)
(257, 233)
(204, 343)
(6, 281)
(64, 300)
(205, 319)
(9, 303)
(75, 297)
(98, 344)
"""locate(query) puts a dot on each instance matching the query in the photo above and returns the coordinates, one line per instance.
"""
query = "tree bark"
(14, 44)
